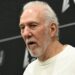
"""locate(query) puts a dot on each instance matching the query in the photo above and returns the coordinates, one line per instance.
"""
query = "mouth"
(31, 44)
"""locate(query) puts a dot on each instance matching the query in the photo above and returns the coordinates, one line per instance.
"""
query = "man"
(39, 28)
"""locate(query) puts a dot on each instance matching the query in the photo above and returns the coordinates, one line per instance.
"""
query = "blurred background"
(13, 55)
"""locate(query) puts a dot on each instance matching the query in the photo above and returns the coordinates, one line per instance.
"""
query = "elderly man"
(40, 30)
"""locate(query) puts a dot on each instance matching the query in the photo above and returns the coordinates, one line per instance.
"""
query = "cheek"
(45, 38)
(22, 35)
(42, 36)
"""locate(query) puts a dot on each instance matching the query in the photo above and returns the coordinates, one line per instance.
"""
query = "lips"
(31, 44)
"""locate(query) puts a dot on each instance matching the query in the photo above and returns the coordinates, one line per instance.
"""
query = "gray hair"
(50, 15)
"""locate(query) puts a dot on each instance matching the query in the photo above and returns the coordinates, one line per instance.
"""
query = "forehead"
(33, 13)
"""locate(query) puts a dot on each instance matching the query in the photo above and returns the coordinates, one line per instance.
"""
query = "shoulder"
(71, 48)
(70, 52)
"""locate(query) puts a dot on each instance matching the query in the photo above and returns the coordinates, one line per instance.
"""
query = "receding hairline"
(32, 3)
(41, 4)
(49, 12)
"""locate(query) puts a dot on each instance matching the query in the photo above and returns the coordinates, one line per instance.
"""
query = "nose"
(27, 32)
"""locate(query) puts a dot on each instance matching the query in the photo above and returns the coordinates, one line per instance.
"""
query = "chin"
(34, 55)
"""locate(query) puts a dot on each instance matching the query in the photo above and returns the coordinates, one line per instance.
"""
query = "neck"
(53, 49)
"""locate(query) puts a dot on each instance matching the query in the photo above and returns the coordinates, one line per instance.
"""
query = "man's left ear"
(53, 29)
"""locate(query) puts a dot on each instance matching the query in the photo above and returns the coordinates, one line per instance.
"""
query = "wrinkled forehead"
(29, 12)
(32, 13)
(32, 10)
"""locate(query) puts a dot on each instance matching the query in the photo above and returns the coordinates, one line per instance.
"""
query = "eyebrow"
(29, 23)
(32, 22)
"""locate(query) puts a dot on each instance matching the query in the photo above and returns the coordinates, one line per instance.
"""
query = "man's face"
(35, 32)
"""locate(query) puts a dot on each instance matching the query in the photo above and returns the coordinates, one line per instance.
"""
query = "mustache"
(30, 41)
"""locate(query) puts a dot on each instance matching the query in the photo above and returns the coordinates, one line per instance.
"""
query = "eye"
(21, 27)
(33, 25)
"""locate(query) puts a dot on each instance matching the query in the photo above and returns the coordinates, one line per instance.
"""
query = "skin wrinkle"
(44, 34)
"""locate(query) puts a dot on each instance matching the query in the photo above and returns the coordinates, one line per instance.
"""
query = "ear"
(53, 30)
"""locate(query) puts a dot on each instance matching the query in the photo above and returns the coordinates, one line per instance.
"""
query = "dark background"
(14, 47)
